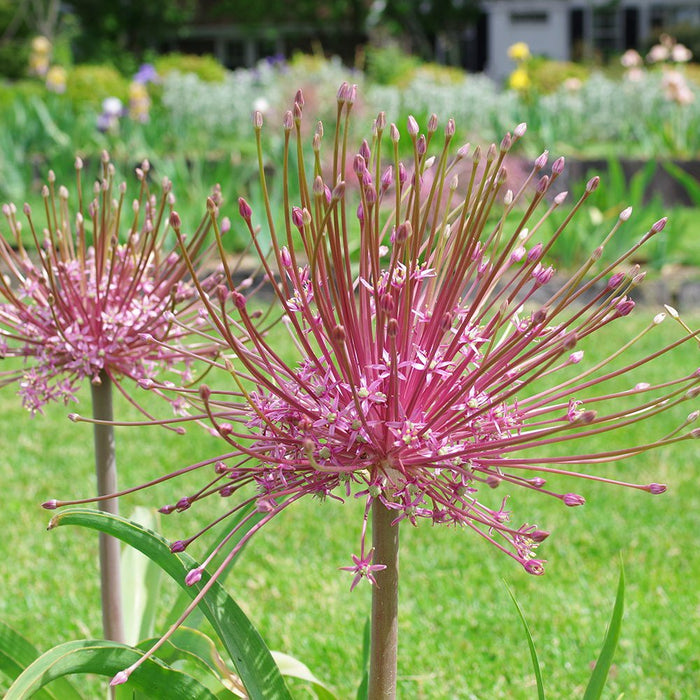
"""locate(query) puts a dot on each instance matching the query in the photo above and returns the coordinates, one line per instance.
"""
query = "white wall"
(549, 38)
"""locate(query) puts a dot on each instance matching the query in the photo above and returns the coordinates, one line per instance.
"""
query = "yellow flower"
(40, 44)
(519, 51)
(56, 79)
(519, 79)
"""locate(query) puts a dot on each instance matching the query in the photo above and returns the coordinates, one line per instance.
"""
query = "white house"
(572, 29)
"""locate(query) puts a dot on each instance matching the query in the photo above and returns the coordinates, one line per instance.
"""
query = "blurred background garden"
(614, 87)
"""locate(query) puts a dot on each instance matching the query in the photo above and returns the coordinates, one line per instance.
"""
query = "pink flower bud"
(592, 184)
(535, 253)
(175, 220)
(193, 577)
(387, 178)
(539, 535)
(412, 125)
(558, 166)
(520, 130)
(297, 218)
(541, 161)
(244, 209)
(119, 679)
(656, 489)
(659, 225)
(573, 499)
(364, 152)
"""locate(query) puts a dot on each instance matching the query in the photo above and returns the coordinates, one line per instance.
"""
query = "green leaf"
(60, 137)
(688, 182)
(289, 666)
(531, 643)
(16, 653)
(602, 666)
(140, 578)
(248, 652)
(193, 646)
(106, 658)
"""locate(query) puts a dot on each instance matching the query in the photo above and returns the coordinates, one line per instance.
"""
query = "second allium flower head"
(98, 280)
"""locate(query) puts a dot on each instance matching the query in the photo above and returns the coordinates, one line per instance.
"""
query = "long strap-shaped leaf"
(153, 678)
(16, 653)
(250, 655)
(600, 673)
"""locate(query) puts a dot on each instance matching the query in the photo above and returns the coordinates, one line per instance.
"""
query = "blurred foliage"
(274, 12)
(206, 68)
(123, 33)
(90, 84)
(547, 76)
(14, 41)
(389, 65)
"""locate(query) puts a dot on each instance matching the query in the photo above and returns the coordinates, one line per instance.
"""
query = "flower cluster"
(671, 55)
(78, 301)
(519, 79)
(433, 364)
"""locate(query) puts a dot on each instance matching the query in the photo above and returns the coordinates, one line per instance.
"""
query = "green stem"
(385, 605)
(106, 471)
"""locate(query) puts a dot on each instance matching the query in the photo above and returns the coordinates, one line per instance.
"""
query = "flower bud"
(573, 499)
(558, 166)
(244, 209)
(592, 184)
(541, 161)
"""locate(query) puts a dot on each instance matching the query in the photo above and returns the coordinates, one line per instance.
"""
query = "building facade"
(576, 29)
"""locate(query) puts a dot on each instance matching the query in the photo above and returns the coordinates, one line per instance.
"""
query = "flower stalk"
(384, 634)
(106, 472)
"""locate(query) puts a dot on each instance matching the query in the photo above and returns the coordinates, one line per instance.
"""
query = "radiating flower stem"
(106, 471)
(385, 605)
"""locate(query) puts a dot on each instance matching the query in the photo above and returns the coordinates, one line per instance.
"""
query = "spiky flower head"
(94, 284)
(431, 364)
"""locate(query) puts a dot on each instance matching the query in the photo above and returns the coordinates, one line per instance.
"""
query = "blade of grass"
(531, 643)
(602, 666)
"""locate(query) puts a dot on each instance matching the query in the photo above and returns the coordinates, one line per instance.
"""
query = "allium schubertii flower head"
(81, 300)
(432, 362)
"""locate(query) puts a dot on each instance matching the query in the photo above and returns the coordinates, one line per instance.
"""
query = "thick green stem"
(385, 605)
(106, 471)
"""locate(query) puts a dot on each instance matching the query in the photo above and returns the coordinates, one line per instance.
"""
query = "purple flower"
(94, 292)
(146, 73)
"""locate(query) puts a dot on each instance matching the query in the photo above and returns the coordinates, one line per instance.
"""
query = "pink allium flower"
(93, 289)
(431, 359)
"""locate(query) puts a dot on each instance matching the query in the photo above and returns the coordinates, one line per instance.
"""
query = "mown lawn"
(459, 633)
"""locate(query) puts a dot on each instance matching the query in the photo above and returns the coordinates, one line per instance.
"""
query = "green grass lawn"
(459, 632)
